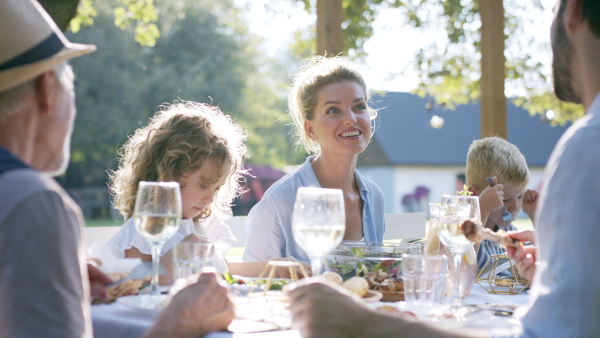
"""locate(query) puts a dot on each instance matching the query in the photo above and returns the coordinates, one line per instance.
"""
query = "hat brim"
(18, 75)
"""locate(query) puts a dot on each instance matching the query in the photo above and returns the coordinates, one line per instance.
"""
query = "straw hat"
(31, 43)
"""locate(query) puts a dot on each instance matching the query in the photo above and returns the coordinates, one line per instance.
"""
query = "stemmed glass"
(156, 216)
(454, 211)
(318, 223)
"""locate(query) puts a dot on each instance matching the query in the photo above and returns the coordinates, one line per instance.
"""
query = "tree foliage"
(449, 68)
(205, 54)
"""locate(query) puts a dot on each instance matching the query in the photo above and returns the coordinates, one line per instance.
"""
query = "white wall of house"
(400, 181)
(438, 180)
(384, 178)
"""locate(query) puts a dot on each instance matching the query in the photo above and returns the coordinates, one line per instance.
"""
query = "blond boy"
(497, 158)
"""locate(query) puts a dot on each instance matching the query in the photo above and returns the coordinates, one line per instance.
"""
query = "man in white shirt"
(565, 297)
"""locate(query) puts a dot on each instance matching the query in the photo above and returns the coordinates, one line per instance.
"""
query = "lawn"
(102, 222)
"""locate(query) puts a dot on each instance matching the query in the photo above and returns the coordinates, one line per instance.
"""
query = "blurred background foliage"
(202, 51)
(205, 54)
(449, 68)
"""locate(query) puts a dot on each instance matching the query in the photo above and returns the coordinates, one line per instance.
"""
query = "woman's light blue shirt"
(269, 223)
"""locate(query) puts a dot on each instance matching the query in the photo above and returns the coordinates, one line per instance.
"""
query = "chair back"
(406, 226)
(236, 224)
(91, 235)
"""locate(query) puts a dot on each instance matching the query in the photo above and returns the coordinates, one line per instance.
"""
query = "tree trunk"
(493, 100)
(61, 11)
(330, 36)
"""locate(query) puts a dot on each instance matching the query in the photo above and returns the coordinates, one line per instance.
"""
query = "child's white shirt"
(212, 228)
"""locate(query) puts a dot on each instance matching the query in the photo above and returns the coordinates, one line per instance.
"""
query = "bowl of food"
(356, 258)
(379, 263)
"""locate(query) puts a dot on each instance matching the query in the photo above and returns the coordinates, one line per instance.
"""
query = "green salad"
(359, 261)
(277, 284)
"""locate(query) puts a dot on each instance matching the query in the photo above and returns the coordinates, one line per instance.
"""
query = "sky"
(390, 50)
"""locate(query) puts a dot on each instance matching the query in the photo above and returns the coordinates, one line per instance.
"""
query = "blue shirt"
(489, 248)
(565, 292)
(269, 223)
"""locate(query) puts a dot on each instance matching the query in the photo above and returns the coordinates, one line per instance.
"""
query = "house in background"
(414, 163)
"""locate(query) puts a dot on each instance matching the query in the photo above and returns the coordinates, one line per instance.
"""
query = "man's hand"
(530, 199)
(98, 281)
(320, 310)
(524, 257)
(196, 310)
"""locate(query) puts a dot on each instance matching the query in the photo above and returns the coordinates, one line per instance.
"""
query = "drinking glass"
(454, 211)
(318, 223)
(424, 277)
(156, 216)
(191, 257)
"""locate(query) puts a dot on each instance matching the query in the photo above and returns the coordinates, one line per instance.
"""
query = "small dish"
(242, 325)
(392, 296)
(372, 296)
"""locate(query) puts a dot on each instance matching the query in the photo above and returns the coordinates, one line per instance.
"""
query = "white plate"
(239, 325)
(152, 304)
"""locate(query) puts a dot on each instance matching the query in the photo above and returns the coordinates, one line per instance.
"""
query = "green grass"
(523, 223)
(102, 222)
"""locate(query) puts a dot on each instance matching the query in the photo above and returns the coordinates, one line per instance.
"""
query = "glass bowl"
(357, 258)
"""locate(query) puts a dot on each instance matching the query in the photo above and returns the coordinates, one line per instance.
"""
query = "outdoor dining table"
(118, 320)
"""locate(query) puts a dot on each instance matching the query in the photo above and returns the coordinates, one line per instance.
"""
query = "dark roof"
(405, 137)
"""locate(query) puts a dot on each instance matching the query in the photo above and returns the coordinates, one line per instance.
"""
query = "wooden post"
(493, 100)
(329, 27)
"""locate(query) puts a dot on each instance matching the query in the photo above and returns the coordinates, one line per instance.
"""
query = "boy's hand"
(530, 199)
(491, 199)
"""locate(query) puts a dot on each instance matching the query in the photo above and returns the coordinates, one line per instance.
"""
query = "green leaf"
(357, 252)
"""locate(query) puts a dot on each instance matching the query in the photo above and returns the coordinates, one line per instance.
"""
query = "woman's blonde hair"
(179, 139)
(302, 99)
(493, 156)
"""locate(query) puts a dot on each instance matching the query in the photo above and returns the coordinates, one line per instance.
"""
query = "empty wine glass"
(454, 211)
(318, 223)
(156, 216)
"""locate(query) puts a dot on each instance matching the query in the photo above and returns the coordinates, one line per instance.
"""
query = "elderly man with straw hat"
(44, 281)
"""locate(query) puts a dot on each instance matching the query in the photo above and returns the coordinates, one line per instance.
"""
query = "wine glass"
(318, 223)
(156, 216)
(454, 211)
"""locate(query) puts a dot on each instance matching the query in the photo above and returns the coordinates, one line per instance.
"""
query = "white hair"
(13, 99)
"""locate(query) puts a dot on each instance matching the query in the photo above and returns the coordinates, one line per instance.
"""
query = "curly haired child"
(202, 149)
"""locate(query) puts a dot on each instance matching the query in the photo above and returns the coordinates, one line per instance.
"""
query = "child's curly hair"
(179, 139)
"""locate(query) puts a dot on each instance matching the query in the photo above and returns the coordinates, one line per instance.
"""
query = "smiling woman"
(332, 119)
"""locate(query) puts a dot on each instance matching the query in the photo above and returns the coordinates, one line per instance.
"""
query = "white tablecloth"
(118, 320)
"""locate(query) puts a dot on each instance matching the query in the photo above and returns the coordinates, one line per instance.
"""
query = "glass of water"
(189, 258)
(156, 216)
(424, 277)
(318, 223)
